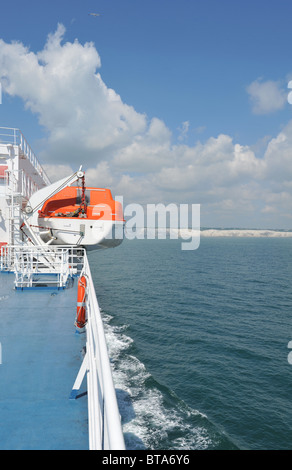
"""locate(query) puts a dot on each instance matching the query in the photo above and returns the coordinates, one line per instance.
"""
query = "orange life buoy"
(3, 248)
(81, 303)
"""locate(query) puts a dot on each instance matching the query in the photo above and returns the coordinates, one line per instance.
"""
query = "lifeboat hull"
(92, 234)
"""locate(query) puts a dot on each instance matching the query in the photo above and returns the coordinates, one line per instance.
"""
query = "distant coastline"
(211, 232)
(245, 233)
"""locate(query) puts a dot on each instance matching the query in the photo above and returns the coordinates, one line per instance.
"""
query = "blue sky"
(201, 69)
(179, 60)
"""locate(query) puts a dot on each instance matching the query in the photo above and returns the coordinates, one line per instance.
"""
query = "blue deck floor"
(41, 356)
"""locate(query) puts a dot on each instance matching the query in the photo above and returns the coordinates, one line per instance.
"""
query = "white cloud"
(88, 123)
(266, 97)
(57, 172)
(244, 162)
(148, 151)
(61, 85)
(184, 129)
(278, 158)
(100, 176)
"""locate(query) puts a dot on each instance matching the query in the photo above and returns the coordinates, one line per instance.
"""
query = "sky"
(163, 101)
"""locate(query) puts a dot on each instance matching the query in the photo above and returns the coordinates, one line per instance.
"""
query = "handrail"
(27, 261)
(13, 136)
(105, 430)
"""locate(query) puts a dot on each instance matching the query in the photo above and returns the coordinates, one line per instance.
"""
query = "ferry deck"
(41, 355)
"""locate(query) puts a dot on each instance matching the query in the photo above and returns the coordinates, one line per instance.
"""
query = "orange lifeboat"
(63, 214)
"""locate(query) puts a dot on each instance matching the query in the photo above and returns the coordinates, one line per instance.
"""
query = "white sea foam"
(146, 420)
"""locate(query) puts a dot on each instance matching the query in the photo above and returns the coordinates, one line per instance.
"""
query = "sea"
(199, 341)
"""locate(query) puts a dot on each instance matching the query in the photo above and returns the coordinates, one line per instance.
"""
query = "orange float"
(81, 303)
(3, 248)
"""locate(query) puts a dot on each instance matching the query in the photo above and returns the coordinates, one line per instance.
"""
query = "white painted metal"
(13, 137)
(23, 175)
(30, 262)
(105, 429)
(37, 200)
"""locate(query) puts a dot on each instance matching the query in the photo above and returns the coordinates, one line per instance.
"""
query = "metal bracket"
(79, 379)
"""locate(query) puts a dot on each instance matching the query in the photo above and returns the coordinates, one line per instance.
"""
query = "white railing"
(104, 421)
(29, 263)
(9, 135)
(31, 267)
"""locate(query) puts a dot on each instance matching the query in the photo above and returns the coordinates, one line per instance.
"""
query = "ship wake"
(153, 416)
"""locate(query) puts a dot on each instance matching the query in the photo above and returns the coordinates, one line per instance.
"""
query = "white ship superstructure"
(21, 175)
